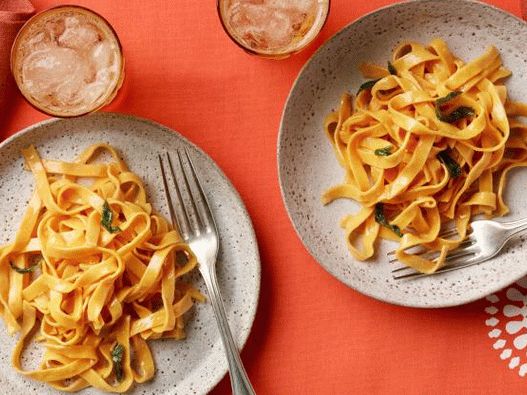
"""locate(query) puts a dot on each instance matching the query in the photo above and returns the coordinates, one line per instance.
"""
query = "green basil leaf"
(455, 115)
(452, 166)
(381, 219)
(445, 99)
(23, 270)
(391, 69)
(367, 85)
(459, 113)
(117, 359)
(107, 219)
(386, 151)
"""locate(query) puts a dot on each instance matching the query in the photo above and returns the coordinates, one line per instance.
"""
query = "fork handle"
(239, 380)
(514, 227)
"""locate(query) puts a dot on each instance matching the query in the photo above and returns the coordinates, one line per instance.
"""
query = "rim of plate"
(280, 144)
(169, 131)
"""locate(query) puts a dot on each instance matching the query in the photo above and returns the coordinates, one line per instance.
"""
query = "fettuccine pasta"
(92, 274)
(430, 139)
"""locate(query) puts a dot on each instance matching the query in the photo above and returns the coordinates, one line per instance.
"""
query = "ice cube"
(261, 26)
(55, 28)
(67, 93)
(304, 6)
(71, 21)
(90, 93)
(279, 29)
(47, 70)
(269, 24)
(102, 54)
(80, 37)
(39, 41)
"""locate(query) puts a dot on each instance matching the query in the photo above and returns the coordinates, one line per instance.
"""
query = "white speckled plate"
(191, 366)
(307, 165)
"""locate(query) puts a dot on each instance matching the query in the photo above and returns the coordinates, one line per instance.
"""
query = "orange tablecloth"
(312, 334)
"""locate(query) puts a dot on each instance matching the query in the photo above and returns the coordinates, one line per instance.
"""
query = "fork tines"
(195, 216)
(463, 256)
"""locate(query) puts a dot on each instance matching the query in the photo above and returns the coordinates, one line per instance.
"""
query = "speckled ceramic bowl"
(307, 165)
(191, 366)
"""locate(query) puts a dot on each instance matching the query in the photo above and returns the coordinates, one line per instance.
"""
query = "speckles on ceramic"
(307, 164)
(192, 366)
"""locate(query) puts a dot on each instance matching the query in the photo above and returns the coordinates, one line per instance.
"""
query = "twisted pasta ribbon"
(414, 165)
(102, 289)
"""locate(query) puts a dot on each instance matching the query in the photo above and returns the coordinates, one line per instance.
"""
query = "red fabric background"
(13, 14)
(312, 334)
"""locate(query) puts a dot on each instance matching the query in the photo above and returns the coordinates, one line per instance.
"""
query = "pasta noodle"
(96, 272)
(429, 140)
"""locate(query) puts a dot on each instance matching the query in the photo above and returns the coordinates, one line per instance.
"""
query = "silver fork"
(485, 241)
(198, 230)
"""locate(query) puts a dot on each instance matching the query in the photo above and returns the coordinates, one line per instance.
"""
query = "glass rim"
(272, 55)
(109, 97)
